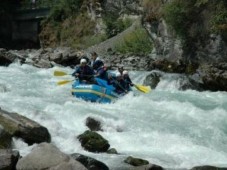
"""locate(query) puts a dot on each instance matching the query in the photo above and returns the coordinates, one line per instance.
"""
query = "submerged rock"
(135, 161)
(93, 124)
(93, 142)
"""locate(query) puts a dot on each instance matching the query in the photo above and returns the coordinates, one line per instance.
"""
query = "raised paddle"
(144, 89)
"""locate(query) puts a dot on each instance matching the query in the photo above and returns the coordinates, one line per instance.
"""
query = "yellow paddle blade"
(64, 82)
(60, 73)
(144, 89)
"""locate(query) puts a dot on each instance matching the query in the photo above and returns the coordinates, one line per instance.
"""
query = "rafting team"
(88, 71)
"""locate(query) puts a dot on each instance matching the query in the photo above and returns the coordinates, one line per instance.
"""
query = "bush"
(114, 25)
(136, 42)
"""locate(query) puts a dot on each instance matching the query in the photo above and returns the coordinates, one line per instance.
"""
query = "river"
(168, 127)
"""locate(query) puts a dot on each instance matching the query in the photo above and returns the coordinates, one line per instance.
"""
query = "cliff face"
(193, 31)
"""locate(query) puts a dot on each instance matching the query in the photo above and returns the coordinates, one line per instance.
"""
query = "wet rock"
(89, 163)
(93, 125)
(43, 64)
(168, 66)
(214, 77)
(112, 151)
(6, 57)
(8, 159)
(152, 79)
(22, 127)
(5, 139)
(207, 167)
(148, 167)
(135, 161)
(47, 156)
(93, 142)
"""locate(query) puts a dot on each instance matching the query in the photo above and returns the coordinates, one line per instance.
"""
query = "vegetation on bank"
(195, 19)
(69, 25)
(136, 42)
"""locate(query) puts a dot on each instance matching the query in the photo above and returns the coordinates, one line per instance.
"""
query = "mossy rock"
(112, 151)
(93, 142)
(136, 161)
(5, 139)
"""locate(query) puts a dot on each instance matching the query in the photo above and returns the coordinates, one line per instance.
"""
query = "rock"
(22, 127)
(152, 79)
(135, 161)
(148, 167)
(93, 125)
(47, 156)
(207, 167)
(70, 165)
(5, 139)
(93, 142)
(8, 159)
(6, 57)
(89, 163)
(43, 64)
(112, 151)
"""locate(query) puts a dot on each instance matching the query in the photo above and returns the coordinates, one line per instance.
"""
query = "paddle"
(64, 82)
(60, 73)
(144, 89)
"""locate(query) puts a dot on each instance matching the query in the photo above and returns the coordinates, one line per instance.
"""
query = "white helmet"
(125, 72)
(118, 74)
(83, 61)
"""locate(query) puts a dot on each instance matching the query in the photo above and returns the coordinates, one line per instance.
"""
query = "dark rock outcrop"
(93, 142)
(22, 127)
(89, 163)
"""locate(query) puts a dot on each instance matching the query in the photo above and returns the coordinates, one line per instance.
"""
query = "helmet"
(118, 74)
(125, 72)
(83, 61)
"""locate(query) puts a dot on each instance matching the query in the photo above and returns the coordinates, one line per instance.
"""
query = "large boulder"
(47, 156)
(93, 142)
(22, 127)
(8, 159)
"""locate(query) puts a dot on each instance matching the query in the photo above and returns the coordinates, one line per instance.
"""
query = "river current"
(168, 127)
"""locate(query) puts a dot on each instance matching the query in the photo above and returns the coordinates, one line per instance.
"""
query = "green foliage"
(114, 25)
(64, 9)
(136, 42)
(175, 14)
(219, 20)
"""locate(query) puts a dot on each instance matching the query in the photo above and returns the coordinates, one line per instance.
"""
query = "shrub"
(115, 25)
(136, 42)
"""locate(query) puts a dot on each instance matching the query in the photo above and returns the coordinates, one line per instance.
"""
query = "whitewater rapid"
(172, 128)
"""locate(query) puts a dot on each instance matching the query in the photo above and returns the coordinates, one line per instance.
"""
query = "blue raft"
(102, 93)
